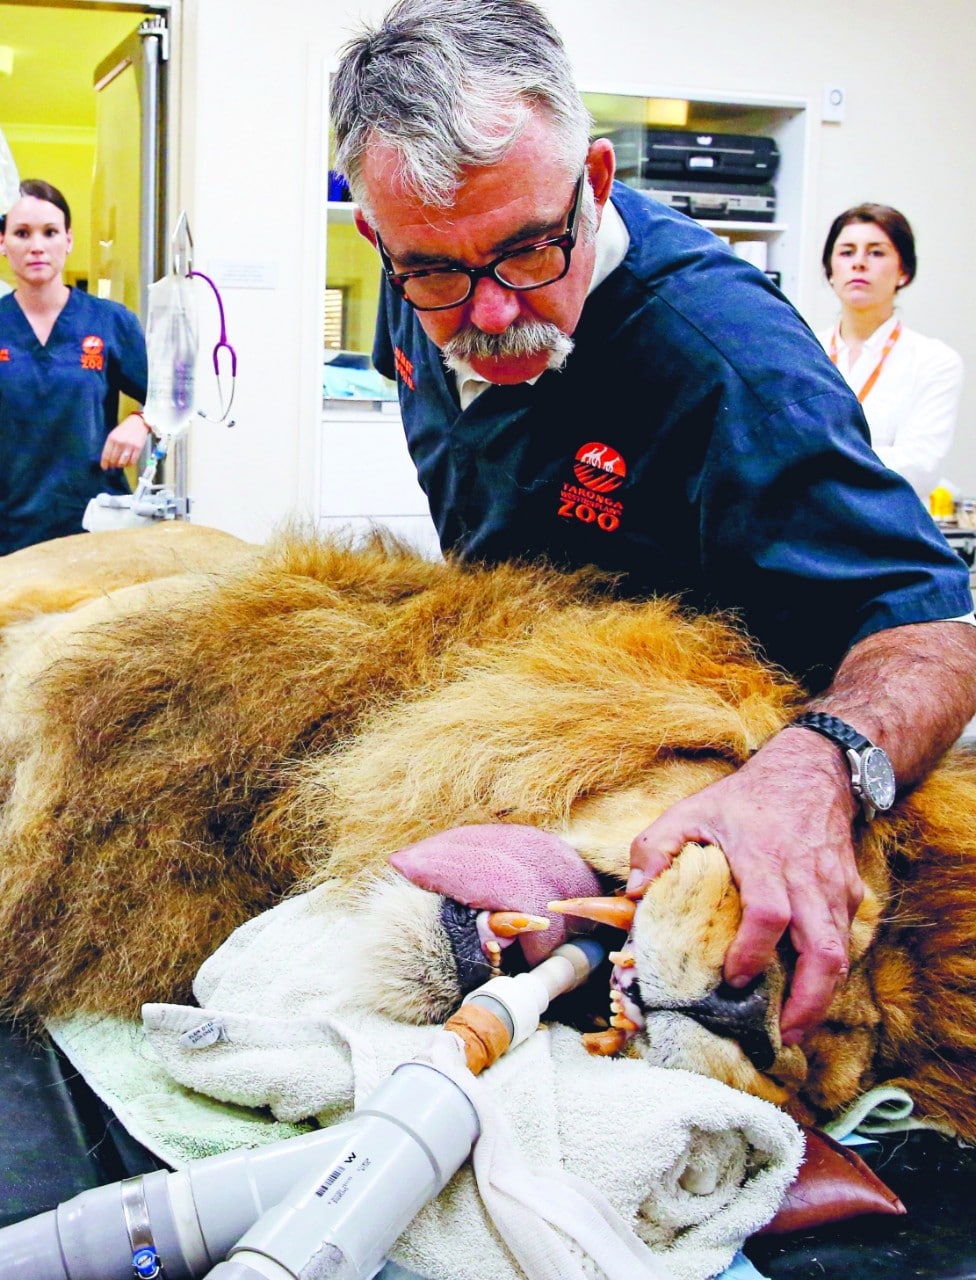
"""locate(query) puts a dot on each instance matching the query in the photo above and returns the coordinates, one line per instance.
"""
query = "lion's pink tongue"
(501, 867)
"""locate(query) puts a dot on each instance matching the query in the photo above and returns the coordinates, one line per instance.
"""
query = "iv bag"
(171, 347)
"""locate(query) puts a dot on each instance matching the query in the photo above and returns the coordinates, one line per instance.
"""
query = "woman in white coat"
(908, 385)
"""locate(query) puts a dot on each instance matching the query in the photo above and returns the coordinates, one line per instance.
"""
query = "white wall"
(252, 174)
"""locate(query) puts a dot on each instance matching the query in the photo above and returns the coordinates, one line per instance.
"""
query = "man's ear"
(363, 227)
(601, 164)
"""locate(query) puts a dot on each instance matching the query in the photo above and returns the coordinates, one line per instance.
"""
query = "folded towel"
(691, 1166)
(176, 1124)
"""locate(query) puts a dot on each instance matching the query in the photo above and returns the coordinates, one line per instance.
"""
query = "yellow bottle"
(942, 505)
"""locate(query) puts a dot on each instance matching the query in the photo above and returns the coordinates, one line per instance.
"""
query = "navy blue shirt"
(58, 402)
(698, 441)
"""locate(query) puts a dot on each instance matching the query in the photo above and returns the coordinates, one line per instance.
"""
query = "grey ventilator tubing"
(196, 1215)
(413, 1134)
(328, 1204)
(361, 1183)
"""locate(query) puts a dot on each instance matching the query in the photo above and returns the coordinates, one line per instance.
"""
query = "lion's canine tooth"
(615, 911)
(509, 924)
(622, 959)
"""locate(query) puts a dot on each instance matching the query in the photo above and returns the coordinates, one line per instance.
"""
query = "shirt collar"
(876, 340)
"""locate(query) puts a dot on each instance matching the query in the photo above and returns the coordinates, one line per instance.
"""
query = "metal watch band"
(872, 777)
(832, 727)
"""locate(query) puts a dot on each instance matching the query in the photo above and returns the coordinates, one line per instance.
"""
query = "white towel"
(690, 1165)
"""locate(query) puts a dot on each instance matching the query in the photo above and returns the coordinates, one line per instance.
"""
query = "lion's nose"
(738, 1015)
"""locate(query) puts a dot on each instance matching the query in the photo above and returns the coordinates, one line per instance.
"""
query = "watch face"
(878, 778)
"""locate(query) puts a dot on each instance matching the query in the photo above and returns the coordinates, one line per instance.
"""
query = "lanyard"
(875, 373)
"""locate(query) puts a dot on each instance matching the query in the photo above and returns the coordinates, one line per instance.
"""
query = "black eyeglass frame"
(566, 241)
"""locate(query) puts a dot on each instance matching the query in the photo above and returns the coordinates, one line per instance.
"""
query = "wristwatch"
(872, 777)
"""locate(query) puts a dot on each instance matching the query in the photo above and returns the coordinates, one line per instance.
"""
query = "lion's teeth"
(604, 1043)
(509, 924)
(615, 911)
(622, 959)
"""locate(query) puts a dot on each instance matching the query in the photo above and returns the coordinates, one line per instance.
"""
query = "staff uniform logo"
(92, 352)
(404, 367)
(600, 470)
(4, 355)
(600, 467)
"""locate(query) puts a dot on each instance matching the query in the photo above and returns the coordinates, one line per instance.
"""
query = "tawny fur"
(137, 763)
(175, 769)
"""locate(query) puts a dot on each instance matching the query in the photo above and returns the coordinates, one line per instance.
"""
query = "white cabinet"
(784, 119)
(366, 476)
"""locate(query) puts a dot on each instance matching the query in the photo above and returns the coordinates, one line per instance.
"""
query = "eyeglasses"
(531, 267)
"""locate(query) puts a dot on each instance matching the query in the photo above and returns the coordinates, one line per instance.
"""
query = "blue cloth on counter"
(741, 1269)
(340, 383)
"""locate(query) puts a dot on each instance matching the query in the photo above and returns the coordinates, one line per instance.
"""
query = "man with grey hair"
(588, 377)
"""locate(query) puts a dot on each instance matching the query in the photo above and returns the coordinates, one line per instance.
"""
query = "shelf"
(786, 120)
(754, 228)
(340, 210)
(334, 409)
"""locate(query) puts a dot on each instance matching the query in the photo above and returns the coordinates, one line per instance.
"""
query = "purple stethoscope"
(221, 345)
(182, 251)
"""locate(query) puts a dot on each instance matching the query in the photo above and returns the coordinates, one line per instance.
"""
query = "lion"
(317, 712)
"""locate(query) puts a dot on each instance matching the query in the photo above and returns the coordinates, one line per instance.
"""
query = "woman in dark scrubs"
(64, 359)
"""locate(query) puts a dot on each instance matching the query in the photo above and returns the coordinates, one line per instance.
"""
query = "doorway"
(82, 105)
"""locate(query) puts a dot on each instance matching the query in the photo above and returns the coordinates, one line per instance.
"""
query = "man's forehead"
(381, 167)
(530, 162)
(493, 205)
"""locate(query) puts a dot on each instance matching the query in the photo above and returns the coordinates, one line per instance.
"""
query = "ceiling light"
(6, 60)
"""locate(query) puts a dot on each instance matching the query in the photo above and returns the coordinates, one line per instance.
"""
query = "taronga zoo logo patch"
(600, 467)
(600, 470)
(92, 349)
